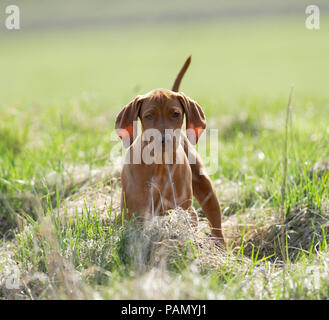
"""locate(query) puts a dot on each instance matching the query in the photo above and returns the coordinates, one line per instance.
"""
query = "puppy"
(162, 170)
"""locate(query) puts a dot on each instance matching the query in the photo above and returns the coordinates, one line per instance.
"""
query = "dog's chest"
(170, 186)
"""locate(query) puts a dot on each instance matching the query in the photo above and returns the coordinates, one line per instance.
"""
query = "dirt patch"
(305, 229)
(101, 191)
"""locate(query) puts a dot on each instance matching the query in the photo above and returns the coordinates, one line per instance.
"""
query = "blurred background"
(110, 50)
(69, 70)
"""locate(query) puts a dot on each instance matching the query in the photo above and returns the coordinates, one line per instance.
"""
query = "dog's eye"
(149, 117)
(176, 115)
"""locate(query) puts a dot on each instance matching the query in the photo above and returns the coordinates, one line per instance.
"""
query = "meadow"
(59, 186)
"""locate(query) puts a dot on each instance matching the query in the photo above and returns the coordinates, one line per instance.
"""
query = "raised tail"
(181, 73)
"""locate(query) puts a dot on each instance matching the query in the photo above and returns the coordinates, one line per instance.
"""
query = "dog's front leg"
(204, 192)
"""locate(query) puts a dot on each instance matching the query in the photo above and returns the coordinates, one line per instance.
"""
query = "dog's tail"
(181, 73)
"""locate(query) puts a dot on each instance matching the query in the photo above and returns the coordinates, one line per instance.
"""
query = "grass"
(59, 188)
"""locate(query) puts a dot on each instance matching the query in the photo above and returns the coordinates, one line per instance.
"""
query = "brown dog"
(155, 179)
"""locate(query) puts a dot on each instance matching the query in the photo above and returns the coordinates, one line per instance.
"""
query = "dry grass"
(306, 228)
(257, 228)
(99, 189)
(167, 245)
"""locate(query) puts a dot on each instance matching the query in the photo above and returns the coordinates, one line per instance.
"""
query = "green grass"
(60, 93)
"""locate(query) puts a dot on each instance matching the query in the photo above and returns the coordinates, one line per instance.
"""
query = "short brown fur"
(150, 189)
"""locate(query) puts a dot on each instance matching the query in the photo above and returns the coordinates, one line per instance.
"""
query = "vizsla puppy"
(162, 170)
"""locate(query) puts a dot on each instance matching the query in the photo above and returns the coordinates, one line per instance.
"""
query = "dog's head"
(161, 109)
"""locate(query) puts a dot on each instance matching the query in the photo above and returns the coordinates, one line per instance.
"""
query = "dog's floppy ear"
(195, 118)
(124, 124)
